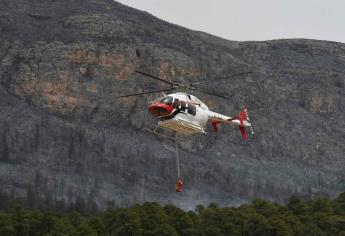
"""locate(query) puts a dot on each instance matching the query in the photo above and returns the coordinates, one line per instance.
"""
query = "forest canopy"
(319, 216)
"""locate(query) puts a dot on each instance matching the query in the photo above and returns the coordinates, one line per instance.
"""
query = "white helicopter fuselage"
(186, 114)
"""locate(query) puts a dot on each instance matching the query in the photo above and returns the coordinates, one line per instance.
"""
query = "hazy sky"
(253, 19)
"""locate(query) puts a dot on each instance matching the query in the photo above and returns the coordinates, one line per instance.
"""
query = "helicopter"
(186, 114)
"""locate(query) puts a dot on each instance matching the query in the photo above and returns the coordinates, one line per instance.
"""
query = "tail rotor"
(250, 124)
(245, 122)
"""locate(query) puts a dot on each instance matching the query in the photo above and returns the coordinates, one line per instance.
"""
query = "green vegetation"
(315, 217)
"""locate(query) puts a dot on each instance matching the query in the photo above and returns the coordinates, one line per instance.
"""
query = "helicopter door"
(191, 109)
(185, 107)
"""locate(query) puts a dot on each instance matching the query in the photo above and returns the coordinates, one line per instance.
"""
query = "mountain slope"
(64, 135)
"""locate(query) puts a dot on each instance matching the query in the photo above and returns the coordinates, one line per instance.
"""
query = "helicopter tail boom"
(242, 120)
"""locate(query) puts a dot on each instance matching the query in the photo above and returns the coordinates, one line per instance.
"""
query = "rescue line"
(179, 184)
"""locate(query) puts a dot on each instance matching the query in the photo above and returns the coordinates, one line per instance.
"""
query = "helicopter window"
(167, 100)
(191, 109)
(176, 103)
(183, 105)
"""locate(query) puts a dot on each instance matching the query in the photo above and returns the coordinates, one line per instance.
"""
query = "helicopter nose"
(160, 109)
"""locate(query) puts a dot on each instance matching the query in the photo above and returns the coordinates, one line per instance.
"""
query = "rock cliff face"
(64, 135)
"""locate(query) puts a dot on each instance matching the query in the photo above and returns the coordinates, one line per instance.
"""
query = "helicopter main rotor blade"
(156, 78)
(146, 92)
(228, 77)
(207, 92)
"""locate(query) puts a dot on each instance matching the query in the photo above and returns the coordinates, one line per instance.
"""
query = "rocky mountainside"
(64, 135)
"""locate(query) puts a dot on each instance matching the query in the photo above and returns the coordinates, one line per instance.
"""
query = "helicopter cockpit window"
(176, 103)
(167, 100)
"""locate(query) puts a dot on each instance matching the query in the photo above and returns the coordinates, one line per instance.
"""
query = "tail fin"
(244, 117)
